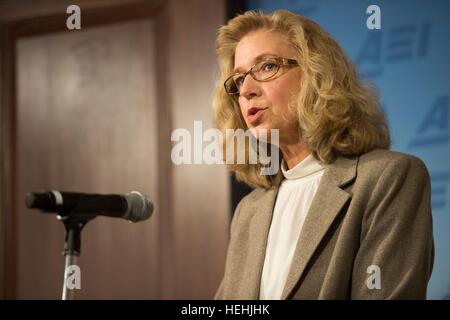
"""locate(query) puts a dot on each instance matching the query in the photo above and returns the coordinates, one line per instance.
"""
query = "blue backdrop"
(408, 60)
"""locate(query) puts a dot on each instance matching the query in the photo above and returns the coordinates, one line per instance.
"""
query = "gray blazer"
(371, 211)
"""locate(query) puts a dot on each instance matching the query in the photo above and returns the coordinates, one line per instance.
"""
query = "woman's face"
(270, 97)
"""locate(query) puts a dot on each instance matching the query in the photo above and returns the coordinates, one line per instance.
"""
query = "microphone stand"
(72, 247)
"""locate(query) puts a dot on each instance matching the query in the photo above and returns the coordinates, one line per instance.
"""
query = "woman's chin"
(265, 134)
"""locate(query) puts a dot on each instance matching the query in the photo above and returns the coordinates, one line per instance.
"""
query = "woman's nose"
(250, 88)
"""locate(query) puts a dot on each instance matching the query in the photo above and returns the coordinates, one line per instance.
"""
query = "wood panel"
(86, 121)
(8, 230)
(200, 204)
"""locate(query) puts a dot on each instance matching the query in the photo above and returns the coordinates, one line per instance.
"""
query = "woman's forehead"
(257, 45)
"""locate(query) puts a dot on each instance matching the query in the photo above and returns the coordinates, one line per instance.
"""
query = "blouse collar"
(304, 168)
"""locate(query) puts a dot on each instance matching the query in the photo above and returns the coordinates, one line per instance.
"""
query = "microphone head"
(139, 207)
(34, 200)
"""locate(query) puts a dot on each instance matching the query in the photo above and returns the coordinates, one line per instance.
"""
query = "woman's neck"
(293, 154)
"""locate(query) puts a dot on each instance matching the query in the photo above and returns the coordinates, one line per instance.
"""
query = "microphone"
(133, 206)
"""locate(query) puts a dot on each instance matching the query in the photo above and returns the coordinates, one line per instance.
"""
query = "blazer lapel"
(327, 202)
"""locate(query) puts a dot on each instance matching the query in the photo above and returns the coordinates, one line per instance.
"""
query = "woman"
(344, 218)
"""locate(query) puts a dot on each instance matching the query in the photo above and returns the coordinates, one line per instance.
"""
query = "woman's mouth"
(254, 113)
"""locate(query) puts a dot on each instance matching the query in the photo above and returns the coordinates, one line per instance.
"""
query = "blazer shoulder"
(258, 197)
(379, 160)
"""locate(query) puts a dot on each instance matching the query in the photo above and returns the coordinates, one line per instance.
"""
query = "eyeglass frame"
(281, 61)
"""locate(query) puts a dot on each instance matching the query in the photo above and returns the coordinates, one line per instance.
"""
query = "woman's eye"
(269, 66)
(239, 80)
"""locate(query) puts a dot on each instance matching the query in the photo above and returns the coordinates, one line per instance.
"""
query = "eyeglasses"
(262, 71)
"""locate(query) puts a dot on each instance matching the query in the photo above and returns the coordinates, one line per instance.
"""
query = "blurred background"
(93, 109)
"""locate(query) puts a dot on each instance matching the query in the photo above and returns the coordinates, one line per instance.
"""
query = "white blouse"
(292, 204)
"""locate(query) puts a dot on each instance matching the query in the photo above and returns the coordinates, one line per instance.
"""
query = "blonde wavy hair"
(338, 114)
